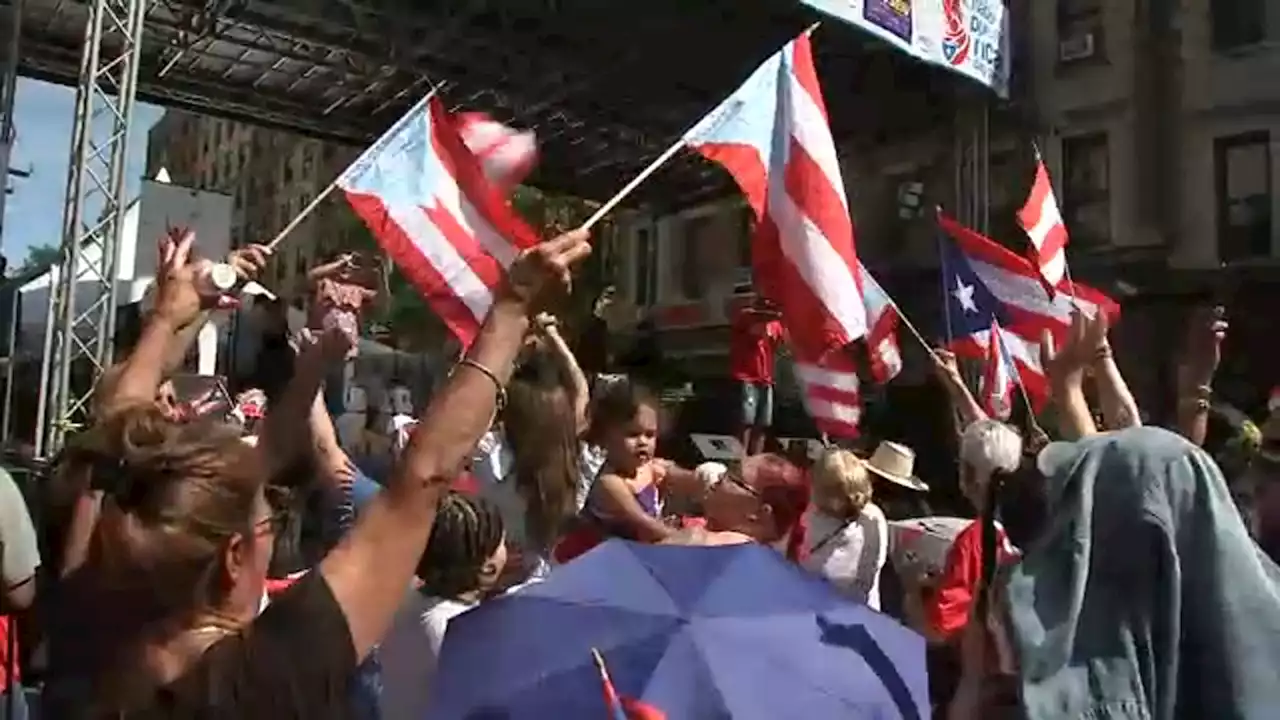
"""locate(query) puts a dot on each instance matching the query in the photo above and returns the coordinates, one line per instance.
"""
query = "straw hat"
(896, 463)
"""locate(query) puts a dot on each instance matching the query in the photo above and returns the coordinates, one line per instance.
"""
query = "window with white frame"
(1081, 36)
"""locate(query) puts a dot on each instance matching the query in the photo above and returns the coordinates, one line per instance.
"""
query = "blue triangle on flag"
(971, 307)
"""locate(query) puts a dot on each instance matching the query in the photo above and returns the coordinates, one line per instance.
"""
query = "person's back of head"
(177, 539)
(1144, 550)
(542, 431)
(841, 484)
(466, 554)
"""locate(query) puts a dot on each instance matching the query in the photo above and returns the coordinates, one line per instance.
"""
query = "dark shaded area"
(608, 85)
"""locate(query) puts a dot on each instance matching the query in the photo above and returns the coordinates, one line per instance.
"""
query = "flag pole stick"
(630, 187)
(333, 184)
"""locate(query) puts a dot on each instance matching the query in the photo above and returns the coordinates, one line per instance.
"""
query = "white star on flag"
(964, 295)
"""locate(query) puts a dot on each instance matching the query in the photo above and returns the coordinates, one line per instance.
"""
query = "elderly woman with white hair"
(990, 451)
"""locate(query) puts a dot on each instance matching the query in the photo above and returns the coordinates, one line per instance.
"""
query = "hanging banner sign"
(969, 37)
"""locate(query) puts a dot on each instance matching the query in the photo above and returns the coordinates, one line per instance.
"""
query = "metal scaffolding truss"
(81, 322)
(11, 14)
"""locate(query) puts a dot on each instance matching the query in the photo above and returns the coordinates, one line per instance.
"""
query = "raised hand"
(178, 298)
(1082, 344)
(331, 344)
(249, 261)
(1203, 349)
(546, 322)
(541, 274)
(946, 366)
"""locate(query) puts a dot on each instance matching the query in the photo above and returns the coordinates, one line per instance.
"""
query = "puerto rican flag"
(1042, 221)
(773, 137)
(979, 321)
(1015, 283)
(999, 376)
(449, 226)
(882, 329)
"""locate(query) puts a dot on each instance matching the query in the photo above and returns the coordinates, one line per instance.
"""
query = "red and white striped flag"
(506, 155)
(999, 377)
(1042, 221)
(441, 212)
(803, 252)
(882, 329)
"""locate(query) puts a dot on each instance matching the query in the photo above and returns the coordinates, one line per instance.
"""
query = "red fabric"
(949, 609)
(466, 484)
(6, 625)
(751, 343)
(577, 542)
(275, 586)
(639, 710)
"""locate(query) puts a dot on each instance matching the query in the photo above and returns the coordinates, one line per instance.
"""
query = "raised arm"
(248, 262)
(370, 569)
(282, 438)
(967, 409)
(1065, 368)
(1202, 354)
(172, 325)
(575, 379)
(1119, 408)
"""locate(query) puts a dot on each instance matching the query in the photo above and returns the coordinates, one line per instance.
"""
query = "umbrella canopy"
(695, 632)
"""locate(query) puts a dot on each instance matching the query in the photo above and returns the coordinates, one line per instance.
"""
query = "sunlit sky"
(43, 116)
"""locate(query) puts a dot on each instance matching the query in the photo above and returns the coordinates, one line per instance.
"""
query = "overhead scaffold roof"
(607, 84)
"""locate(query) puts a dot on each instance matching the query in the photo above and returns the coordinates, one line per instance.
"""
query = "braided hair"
(466, 533)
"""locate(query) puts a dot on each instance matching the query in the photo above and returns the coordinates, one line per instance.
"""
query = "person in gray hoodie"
(1144, 595)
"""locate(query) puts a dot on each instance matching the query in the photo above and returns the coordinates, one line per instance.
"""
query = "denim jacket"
(1144, 597)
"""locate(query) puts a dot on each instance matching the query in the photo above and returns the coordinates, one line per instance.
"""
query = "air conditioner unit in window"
(1076, 47)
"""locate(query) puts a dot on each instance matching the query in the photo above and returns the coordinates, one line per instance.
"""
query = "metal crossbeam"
(80, 326)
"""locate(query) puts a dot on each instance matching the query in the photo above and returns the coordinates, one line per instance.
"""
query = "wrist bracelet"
(1198, 404)
(500, 400)
(1101, 353)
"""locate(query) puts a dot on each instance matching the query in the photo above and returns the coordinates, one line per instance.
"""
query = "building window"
(1009, 189)
(1081, 28)
(693, 238)
(1237, 23)
(646, 276)
(1242, 176)
(1086, 190)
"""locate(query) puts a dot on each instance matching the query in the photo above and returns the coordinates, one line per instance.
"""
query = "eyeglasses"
(735, 478)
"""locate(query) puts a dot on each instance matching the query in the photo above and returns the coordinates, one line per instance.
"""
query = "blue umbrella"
(695, 632)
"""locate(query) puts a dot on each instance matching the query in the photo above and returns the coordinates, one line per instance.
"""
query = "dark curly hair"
(466, 533)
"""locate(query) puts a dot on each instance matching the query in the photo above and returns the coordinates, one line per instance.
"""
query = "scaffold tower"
(81, 322)
(11, 19)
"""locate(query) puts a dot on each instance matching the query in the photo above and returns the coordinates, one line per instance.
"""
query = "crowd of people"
(1104, 569)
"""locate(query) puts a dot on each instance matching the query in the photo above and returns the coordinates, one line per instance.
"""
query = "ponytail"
(990, 538)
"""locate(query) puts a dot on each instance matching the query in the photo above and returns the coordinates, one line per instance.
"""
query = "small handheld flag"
(621, 708)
